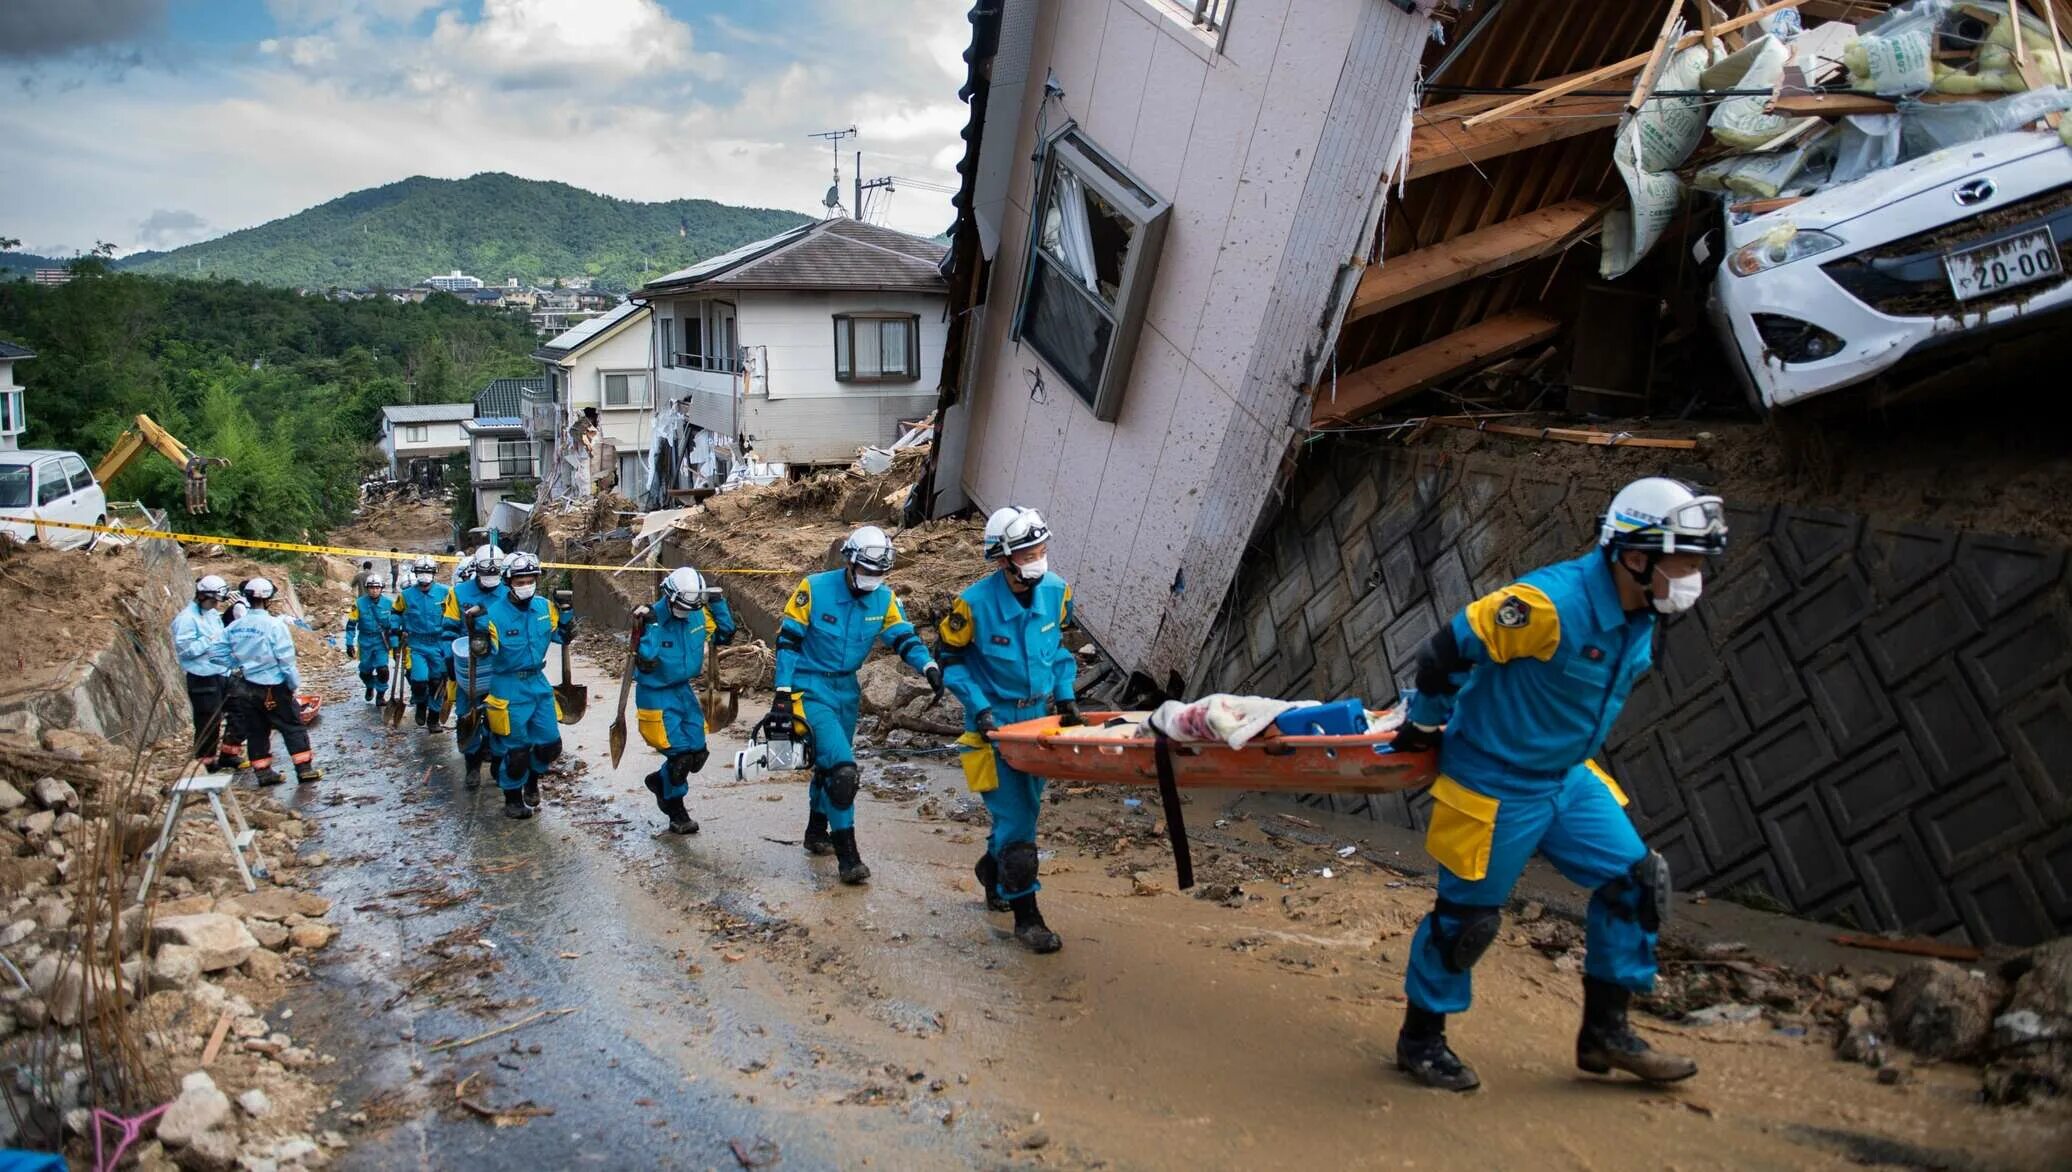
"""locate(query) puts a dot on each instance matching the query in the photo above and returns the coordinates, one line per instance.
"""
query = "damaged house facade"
(1196, 267)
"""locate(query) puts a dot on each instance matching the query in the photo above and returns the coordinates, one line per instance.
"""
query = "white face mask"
(1034, 571)
(865, 583)
(682, 612)
(1683, 594)
(424, 580)
(524, 593)
(489, 581)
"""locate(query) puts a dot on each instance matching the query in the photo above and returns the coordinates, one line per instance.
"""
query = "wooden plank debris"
(1909, 946)
(1606, 73)
(1652, 67)
(1567, 435)
(1426, 271)
(1437, 145)
(1398, 376)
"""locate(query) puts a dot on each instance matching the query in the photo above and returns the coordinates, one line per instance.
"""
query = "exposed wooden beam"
(1474, 254)
(1438, 145)
(1371, 388)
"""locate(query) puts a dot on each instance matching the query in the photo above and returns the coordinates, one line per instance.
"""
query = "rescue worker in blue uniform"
(1004, 655)
(677, 632)
(198, 643)
(264, 651)
(829, 625)
(1527, 682)
(480, 579)
(368, 632)
(421, 608)
(512, 635)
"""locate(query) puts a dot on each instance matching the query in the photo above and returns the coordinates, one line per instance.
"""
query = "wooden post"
(1653, 65)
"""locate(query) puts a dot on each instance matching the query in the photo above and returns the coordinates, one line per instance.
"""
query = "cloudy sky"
(156, 123)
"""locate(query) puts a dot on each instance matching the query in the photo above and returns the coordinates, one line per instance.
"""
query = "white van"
(49, 486)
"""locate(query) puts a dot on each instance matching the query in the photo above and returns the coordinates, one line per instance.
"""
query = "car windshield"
(14, 486)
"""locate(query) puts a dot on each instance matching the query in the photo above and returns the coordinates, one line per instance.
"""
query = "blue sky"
(154, 123)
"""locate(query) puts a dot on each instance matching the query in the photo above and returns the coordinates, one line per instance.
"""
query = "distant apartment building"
(453, 282)
(51, 276)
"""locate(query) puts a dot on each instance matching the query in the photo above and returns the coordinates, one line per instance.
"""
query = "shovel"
(464, 724)
(572, 700)
(721, 706)
(399, 677)
(618, 737)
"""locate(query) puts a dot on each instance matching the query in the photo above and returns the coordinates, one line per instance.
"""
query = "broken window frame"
(845, 346)
(1071, 154)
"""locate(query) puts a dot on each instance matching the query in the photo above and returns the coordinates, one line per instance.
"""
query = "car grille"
(1905, 278)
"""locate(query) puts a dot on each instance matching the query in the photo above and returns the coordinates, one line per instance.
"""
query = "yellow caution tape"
(339, 550)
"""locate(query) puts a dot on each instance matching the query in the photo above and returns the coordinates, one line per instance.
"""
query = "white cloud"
(525, 43)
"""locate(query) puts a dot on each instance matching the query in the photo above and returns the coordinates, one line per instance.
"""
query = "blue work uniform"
(473, 741)
(666, 664)
(523, 719)
(827, 633)
(265, 652)
(1006, 652)
(422, 611)
(1548, 663)
(204, 655)
(367, 634)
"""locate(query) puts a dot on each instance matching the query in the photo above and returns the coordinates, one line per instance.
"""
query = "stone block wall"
(1865, 721)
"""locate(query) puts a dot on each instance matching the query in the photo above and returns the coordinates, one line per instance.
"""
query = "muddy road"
(721, 1001)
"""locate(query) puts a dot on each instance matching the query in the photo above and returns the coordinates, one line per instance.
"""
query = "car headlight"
(1779, 246)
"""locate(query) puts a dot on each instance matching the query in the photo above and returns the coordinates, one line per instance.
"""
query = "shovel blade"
(618, 737)
(721, 708)
(464, 725)
(572, 700)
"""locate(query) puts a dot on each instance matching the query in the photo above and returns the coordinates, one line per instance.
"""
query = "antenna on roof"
(833, 200)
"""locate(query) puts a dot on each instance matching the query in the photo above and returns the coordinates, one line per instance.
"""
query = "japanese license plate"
(1976, 272)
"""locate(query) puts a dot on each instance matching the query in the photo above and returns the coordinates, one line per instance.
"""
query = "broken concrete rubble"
(1941, 1010)
(219, 941)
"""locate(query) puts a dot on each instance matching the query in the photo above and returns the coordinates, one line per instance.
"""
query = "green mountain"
(491, 226)
(21, 264)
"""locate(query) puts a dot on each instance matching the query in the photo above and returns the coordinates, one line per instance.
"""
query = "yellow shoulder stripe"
(956, 625)
(1065, 607)
(800, 608)
(1517, 622)
(893, 615)
(711, 624)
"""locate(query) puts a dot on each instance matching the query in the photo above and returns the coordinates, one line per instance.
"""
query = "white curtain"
(1066, 235)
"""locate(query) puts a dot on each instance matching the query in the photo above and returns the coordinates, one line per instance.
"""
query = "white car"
(50, 486)
(1950, 248)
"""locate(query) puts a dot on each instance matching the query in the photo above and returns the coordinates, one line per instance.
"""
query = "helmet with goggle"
(1658, 515)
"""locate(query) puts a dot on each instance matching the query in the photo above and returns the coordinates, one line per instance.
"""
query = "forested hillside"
(289, 388)
(492, 226)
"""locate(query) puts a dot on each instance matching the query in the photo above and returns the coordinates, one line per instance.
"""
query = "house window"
(1092, 256)
(415, 433)
(11, 421)
(877, 347)
(627, 389)
(513, 459)
(690, 350)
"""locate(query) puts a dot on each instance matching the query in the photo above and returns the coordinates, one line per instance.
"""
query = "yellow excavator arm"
(145, 432)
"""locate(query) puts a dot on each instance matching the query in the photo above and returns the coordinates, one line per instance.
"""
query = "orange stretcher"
(1299, 764)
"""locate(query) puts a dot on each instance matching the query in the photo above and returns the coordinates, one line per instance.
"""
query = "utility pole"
(834, 139)
(863, 187)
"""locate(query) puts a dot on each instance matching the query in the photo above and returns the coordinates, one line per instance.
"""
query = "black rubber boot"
(308, 775)
(434, 721)
(418, 715)
(1422, 1053)
(370, 693)
(817, 841)
(680, 820)
(854, 869)
(471, 773)
(532, 792)
(267, 776)
(1029, 927)
(988, 871)
(514, 805)
(1607, 1043)
(653, 782)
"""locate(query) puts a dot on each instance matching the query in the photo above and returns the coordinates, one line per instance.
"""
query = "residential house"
(50, 276)
(600, 384)
(13, 420)
(418, 432)
(503, 459)
(488, 298)
(805, 346)
(1203, 180)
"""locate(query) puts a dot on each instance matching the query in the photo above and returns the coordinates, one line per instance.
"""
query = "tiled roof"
(429, 412)
(502, 397)
(494, 423)
(10, 350)
(826, 254)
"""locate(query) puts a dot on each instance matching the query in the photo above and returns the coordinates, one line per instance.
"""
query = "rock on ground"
(200, 1109)
(219, 941)
(2033, 1053)
(1941, 1010)
(175, 967)
(275, 903)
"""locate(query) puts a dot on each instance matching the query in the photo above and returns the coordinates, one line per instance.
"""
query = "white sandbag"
(1744, 122)
(1894, 54)
(1647, 148)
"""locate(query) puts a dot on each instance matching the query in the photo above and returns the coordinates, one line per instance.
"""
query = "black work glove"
(933, 674)
(720, 639)
(478, 646)
(645, 664)
(568, 626)
(781, 718)
(1067, 712)
(985, 723)
(473, 612)
(1415, 738)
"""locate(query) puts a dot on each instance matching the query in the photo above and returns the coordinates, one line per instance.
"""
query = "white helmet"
(258, 591)
(466, 571)
(489, 563)
(868, 551)
(1660, 515)
(684, 589)
(425, 565)
(1024, 530)
(210, 586)
(996, 524)
(522, 565)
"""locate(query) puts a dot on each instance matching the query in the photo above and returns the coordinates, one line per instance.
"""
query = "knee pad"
(698, 758)
(547, 754)
(1642, 892)
(518, 762)
(1460, 948)
(841, 785)
(680, 767)
(1018, 866)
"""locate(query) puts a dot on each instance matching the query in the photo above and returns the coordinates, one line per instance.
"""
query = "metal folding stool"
(215, 787)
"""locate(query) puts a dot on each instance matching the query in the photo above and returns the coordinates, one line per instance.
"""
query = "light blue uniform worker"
(1005, 652)
(524, 732)
(204, 656)
(198, 642)
(1517, 774)
(672, 652)
(468, 592)
(422, 611)
(367, 634)
(827, 633)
